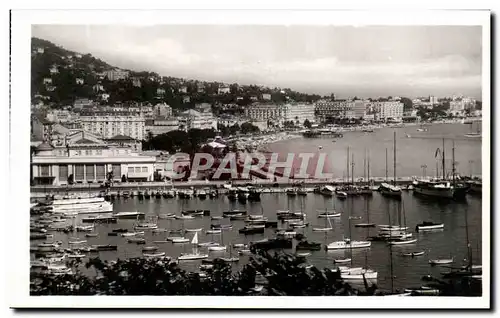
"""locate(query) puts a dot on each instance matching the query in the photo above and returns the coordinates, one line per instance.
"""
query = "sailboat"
(326, 228)
(386, 189)
(194, 255)
(404, 239)
(347, 243)
(218, 247)
(441, 189)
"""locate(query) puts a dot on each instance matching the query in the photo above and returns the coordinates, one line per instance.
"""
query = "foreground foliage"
(281, 274)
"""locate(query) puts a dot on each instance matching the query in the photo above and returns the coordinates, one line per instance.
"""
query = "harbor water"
(407, 271)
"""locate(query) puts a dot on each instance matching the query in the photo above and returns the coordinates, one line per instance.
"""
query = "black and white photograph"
(266, 156)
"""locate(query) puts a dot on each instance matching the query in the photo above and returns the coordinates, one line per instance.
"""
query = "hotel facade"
(110, 124)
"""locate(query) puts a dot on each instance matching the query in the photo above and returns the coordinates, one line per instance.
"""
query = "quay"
(279, 185)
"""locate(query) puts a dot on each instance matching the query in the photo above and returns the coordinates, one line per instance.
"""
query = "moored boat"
(429, 226)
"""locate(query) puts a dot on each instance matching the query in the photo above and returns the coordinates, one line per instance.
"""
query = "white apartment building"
(390, 110)
(110, 124)
(223, 90)
(299, 112)
(191, 119)
(265, 112)
(116, 74)
(161, 125)
(87, 159)
(334, 108)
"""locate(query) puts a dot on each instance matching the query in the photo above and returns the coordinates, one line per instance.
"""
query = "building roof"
(191, 112)
(84, 141)
(121, 138)
(44, 146)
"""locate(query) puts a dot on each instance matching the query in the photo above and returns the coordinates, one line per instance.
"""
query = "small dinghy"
(208, 244)
(413, 254)
(149, 248)
(429, 226)
(402, 241)
(443, 261)
(194, 230)
(153, 255)
(303, 254)
(179, 240)
(365, 225)
(239, 245)
(91, 234)
(341, 195)
(230, 259)
(213, 231)
(341, 260)
(329, 215)
(219, 217)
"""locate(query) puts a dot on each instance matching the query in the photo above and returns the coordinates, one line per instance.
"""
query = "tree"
(307, 124)
(247, 128)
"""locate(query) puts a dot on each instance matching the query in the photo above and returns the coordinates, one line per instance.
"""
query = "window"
(78, 152)
(88, 152)
(137, 169)
(130, 169)
(144, 169)
(45, 171)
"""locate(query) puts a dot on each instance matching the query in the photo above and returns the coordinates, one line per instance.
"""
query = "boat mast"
(348, 164)
(352, 170)
(385, 164)
(453, 162)
(394, 182)
(443, 164)
(368, 169)
(364, 167)
(390, 251)
(469, 253)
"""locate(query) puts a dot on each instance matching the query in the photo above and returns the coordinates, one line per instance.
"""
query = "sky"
(368, 61)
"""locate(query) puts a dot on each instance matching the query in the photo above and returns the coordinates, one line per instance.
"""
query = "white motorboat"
(153, 255)
(129, 234)
(92, 235)
(194, 230)
(146, 226)
(342, 260)
(213, 231)
(239, 245)
(180, 240)
(76, 255)
(327, 190)
(205, 267)
(348, 244)
(357, 273)
(217, 248)
(230, 259)
(76, 242)
(218, 217)
(394, 228)
(184, 217)
(329, 215)
(429, 226)
(441, 261)
(149, 248)
(321, 229)
(195, 255)
(403, 241)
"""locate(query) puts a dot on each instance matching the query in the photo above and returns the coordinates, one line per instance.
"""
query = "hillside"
(59, 76)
